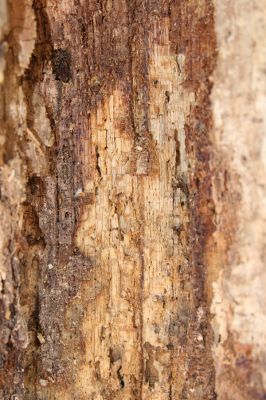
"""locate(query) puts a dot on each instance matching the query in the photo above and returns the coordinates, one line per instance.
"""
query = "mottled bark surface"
(132, 200)
(239, 99)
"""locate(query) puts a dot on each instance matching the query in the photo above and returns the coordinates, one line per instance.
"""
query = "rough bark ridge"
(116, 240)
(17, 35)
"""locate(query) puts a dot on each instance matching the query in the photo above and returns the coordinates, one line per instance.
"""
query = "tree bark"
(132, 199)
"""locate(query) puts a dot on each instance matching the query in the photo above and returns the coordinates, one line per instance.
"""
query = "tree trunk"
(132, 199)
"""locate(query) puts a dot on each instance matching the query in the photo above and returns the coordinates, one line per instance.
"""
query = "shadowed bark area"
(117, 241)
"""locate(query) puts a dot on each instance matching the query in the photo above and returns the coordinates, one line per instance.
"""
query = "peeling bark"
(125, 274)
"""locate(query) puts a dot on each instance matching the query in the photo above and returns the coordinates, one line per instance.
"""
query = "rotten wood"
(124, 205)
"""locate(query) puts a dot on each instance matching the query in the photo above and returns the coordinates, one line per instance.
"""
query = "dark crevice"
(120, 378)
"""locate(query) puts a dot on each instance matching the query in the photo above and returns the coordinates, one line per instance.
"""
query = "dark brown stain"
(114, 52)
(61, 62)
(194, 37)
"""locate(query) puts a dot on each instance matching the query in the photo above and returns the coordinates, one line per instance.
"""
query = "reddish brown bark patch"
(193, 35)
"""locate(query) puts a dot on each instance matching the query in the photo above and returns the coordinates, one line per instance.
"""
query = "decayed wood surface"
(132, 199)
